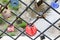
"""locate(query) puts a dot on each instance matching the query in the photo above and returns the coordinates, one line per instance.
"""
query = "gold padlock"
(6, 13)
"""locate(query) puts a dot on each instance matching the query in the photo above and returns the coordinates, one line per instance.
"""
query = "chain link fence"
(22, 32)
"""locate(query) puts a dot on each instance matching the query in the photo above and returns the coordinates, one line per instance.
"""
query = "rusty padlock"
(6, 13)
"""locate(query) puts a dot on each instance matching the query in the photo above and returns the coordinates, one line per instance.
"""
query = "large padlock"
(31, 30)
(6, 13)
(14, 3)
(10, 28)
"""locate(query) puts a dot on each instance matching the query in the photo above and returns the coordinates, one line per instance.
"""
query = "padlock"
(6, 13)
(31, 30)
(10, 28)
(54, 5)
(18, 21)
(14, 3)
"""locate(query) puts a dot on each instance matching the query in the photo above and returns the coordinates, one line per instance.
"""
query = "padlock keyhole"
(14, 2)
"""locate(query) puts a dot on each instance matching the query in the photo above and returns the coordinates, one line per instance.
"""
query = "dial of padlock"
(14, 3)
(10, 28)
(54, 5)
(31, 30)
(6, 13)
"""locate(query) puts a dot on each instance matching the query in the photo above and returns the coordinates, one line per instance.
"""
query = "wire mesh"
(28, 7)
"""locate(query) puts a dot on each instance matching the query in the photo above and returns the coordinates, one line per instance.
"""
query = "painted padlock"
(54, 5)
(6, 13)
(10, 28)
(31, 30)
(14, 3)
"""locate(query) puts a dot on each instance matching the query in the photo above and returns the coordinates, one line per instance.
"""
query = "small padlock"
(31, 30)
(18, 21)
(10, 28)
(54, 5)
(14, 3)
(6, 13)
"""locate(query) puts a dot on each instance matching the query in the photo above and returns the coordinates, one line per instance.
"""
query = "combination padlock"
(10, 28)
(6, 13)
(31, 30)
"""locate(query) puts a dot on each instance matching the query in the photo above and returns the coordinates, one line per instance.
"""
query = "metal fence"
(22, 32)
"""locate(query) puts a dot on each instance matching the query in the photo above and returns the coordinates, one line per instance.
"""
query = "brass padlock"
(6, 13)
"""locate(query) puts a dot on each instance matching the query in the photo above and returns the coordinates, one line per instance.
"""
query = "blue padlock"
(54, 5)
(14, 3)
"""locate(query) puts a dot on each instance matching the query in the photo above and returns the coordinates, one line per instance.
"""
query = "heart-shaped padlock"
(31, 30)
(10, 28)
(6, 13)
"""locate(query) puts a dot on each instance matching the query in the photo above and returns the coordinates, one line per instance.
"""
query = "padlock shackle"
(39, 3)
(56, 0)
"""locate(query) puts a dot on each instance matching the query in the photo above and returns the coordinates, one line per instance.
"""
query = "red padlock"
(31, 30)
(10, 28)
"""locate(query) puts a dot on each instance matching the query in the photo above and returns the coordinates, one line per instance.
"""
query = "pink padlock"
(10, 28)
